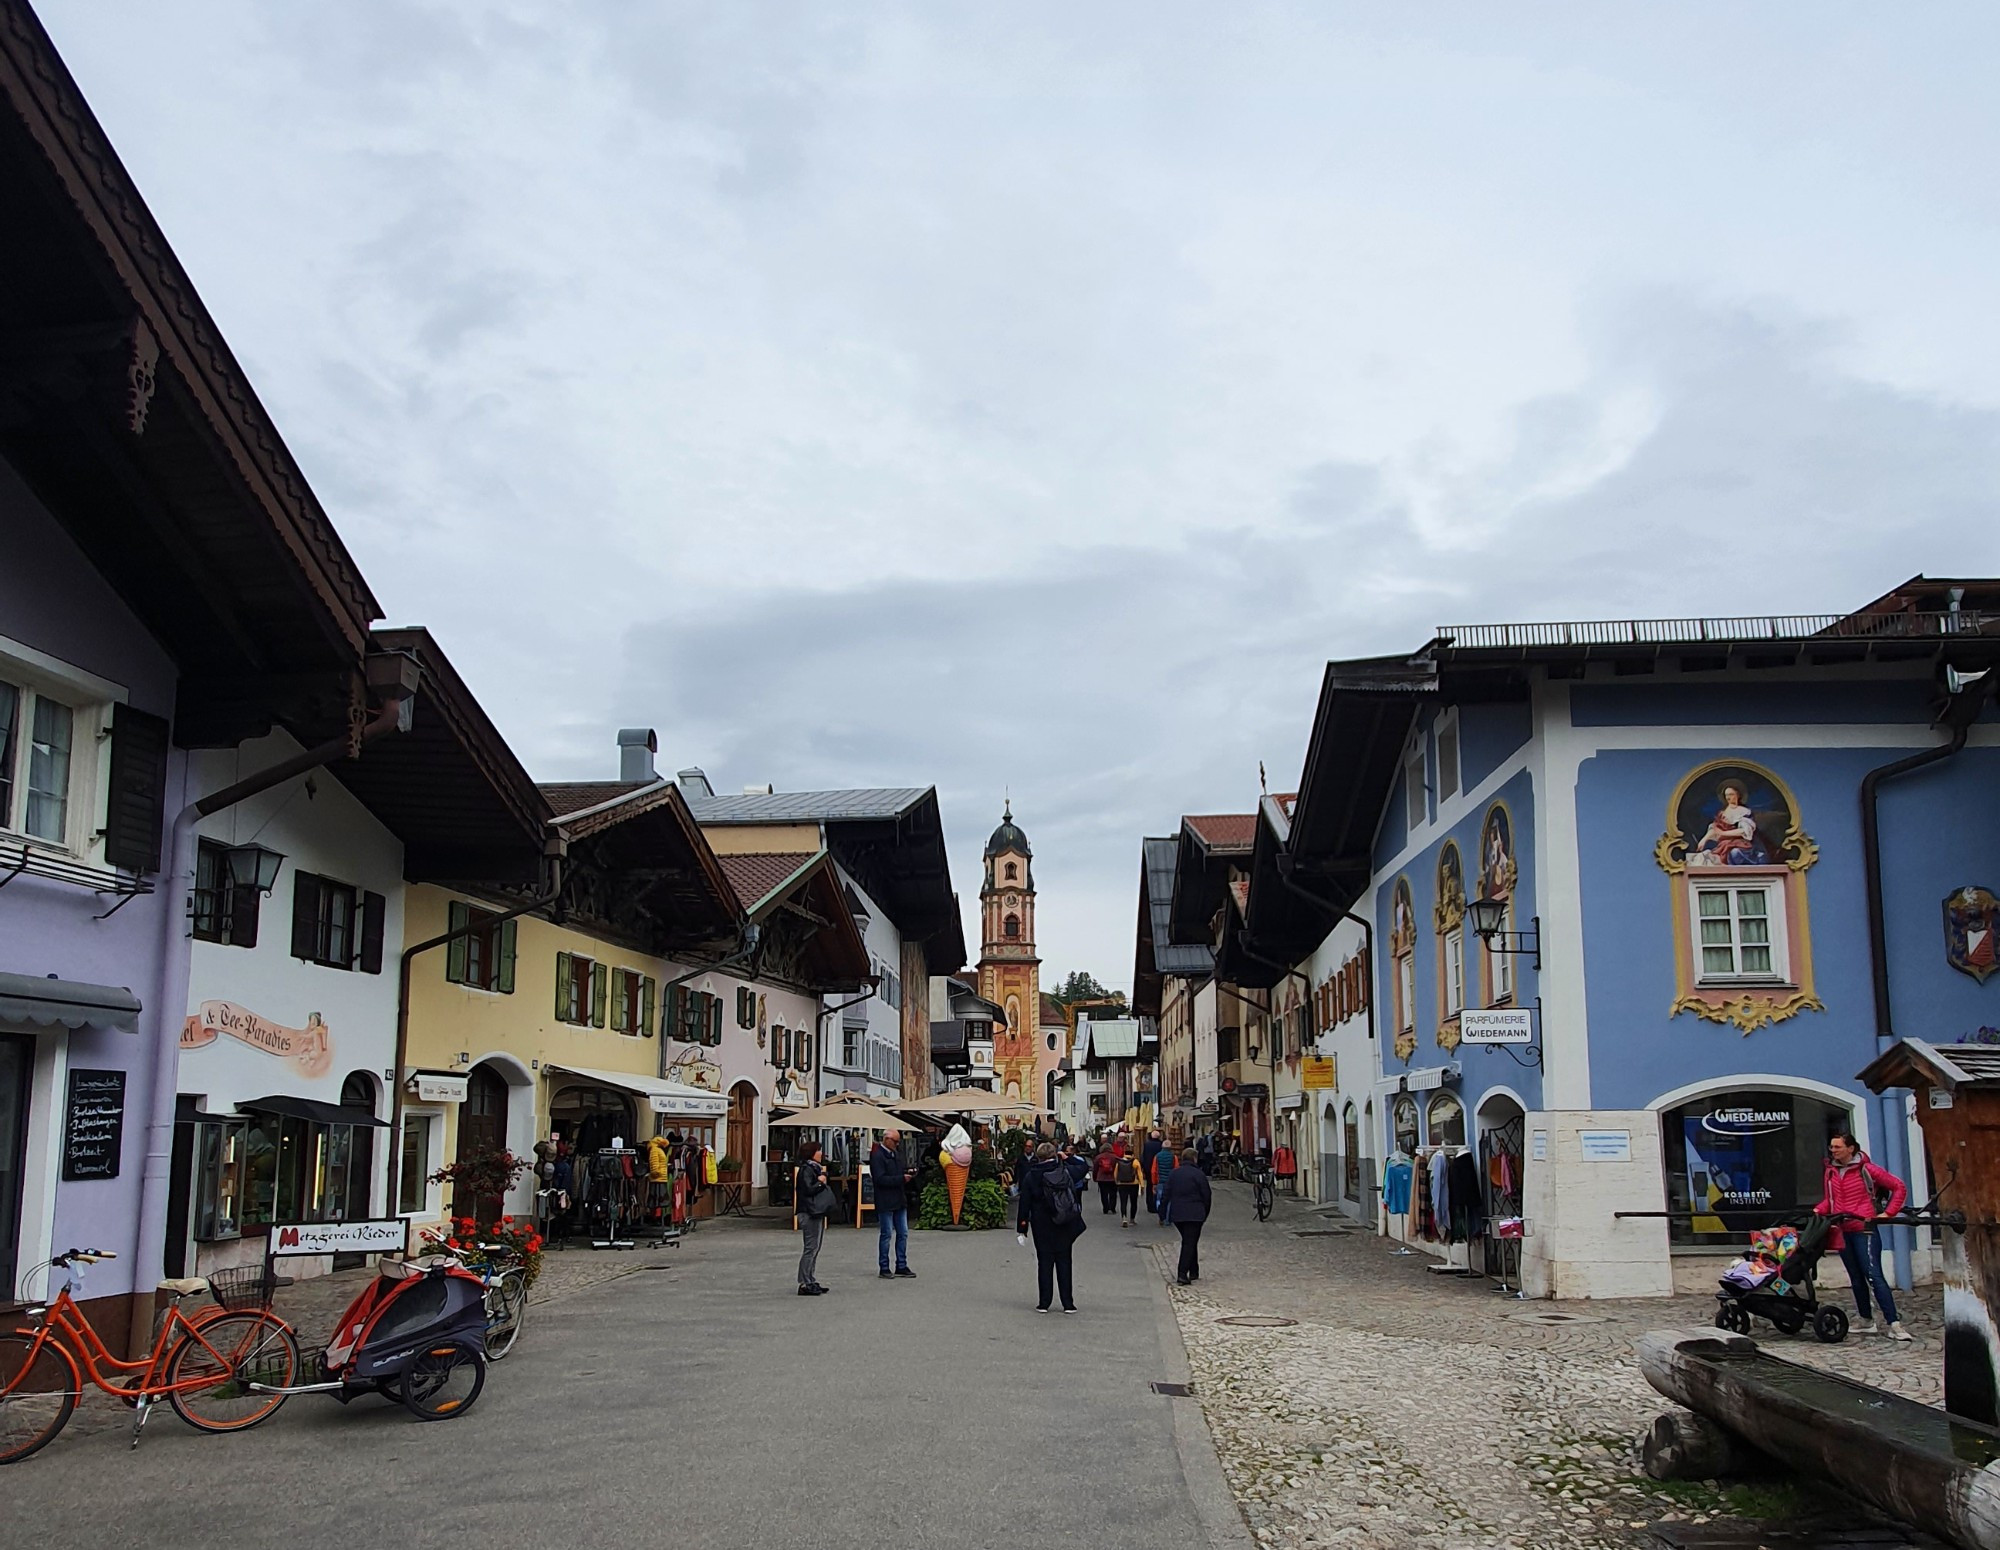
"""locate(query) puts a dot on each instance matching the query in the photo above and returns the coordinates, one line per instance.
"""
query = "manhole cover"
(1319, 1232)
(1174, 1390)
(1258, 1321)
(1561, 1318)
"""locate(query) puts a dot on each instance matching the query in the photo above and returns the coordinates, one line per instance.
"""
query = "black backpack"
(1059, 1184)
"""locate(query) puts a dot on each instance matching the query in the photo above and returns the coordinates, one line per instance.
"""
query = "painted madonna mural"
(1736, 855)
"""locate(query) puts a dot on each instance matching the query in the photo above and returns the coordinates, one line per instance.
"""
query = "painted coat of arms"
(1971, 922)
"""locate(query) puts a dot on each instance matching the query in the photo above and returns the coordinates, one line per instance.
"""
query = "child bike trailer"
(417, 1334)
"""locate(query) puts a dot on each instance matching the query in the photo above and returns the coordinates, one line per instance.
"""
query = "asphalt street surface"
(705, 1404)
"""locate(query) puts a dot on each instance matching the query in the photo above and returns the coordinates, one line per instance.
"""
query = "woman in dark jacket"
(1043, 1181)
(806, 1182)
(1184, 1200)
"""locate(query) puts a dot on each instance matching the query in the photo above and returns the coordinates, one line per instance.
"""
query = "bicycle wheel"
(443, 1380)
(38, 1389)
(506, 1313)
(219, 1361)
(1264, 1201)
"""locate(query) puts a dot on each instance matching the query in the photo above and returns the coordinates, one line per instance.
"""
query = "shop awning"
(52, 1003)
(664, 1096)
(313, 1110)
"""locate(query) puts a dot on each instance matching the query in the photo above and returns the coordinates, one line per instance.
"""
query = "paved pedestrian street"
(1405, 1409)
(696, 1400)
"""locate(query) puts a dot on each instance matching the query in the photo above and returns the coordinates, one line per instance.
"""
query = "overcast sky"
(1035, 396)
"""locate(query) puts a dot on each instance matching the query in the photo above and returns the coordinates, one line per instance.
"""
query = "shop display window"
(1742, 1159)
(1445, 1119)
(218, 1183)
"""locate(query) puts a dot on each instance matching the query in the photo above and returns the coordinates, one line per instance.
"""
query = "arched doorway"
(482, 1128)
(356, 1188)
(1502, 1151)
(741, 1145)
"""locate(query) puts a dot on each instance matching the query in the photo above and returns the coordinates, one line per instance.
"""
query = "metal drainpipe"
(176, 964)
(541, 901)
(1367, 941)
(1959, 713)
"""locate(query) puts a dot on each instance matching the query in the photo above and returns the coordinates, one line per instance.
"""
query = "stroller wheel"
(1734, 1317)
(443, 1380)
(1830, 1324)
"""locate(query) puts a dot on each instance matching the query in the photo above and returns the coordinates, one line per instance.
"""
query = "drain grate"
(1173, 1390)
(1257, 1321)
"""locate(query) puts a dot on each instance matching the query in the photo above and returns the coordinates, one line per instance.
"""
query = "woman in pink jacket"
(1851, 1185)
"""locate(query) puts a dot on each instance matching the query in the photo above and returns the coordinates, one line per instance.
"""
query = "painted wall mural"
(1736, 856)
(1498, 876)
(1448, 917)
(1971, 921)
(309, 1049)
(1402, 957)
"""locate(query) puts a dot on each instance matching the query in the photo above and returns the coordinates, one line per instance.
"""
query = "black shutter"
(306, 896)
(374, 911)
(136, 807)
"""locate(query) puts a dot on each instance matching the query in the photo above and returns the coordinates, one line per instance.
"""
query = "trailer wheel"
(443, 1380)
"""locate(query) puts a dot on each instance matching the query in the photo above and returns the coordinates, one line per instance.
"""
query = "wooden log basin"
(1911, 1461)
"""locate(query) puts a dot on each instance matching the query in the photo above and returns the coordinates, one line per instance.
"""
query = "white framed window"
(1448, 772)
(1454, 971)
(1500, 966)
(1739, 932)
(417, 1164)
(1406, 984)
(39, 759)
(1415, 798)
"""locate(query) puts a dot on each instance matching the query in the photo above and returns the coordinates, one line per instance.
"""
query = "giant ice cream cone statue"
(955, 1175)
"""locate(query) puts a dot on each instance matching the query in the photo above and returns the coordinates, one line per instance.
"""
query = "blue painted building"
(1669, 817)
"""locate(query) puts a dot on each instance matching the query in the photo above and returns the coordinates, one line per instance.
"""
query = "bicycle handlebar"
(85, 1256)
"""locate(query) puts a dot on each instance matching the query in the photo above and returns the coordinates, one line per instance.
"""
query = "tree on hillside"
(1081, 985)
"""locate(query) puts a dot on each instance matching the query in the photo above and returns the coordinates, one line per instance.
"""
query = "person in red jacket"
(1107, 1189)
(1852, 1185)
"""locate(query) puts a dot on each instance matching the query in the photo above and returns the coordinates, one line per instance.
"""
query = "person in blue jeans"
(892, 1204)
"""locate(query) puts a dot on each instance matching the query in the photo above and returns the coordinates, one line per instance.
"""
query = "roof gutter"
(610, 802)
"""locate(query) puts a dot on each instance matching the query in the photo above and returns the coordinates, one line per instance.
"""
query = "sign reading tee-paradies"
(310, 1048)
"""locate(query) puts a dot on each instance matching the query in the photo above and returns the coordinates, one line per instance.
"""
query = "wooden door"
(482, 1127)
(742, 1129)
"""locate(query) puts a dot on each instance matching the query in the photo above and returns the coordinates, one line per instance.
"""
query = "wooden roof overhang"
(809, 936)
(450, 788)
(640, 872)
(124, 410)
(901, 862)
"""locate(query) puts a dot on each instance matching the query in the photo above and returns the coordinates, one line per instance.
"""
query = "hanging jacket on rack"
(1439, 1168)
(1467, 1208)
(1396, 1187)
(1423, 1219)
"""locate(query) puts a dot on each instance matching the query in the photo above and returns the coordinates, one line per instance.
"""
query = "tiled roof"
(1052, 1011)
(807, 806)
(573, 796)
(758, 874)
(1224, 831)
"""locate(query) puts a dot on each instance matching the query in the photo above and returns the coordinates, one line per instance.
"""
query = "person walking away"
(1188, 1196)
(1163, 1169)
(1107, 1183)
(892, 1204)
(1852, 1182)
(1204, 1153)
(1052, 1210)
(1151, 1149)
(810, 1194)
(1125, 1177)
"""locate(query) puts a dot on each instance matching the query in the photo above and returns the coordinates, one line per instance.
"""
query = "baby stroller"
(1777, 1279)
(417, 1333)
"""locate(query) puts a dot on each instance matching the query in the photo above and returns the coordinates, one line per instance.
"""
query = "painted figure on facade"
(1496, 855)
(1737, 821)
(1972, 931)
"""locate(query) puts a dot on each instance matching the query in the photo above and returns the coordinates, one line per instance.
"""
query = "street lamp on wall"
(252, 866)
(1489, 916)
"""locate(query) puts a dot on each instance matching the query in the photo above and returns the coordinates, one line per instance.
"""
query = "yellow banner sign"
(1317, 1071)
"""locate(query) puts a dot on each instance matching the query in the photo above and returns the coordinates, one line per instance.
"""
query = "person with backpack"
(813, 1200)
(1204, 1153)
(1857, 1192)
(1187, 1196)
(1163, 1168)
(1052, 1209)
(1125, 1177)
(1107, 1184)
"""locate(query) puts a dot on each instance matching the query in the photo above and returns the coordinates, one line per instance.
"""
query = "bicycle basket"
(243, 1287)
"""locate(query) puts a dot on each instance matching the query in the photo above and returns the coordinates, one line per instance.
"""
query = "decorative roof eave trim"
(51, 107)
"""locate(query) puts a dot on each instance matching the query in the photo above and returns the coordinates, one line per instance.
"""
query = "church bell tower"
(1010, 975)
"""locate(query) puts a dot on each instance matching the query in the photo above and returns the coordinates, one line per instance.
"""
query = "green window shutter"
(617, 1000)
(670, 1022)
(715, 1019)
(504, 983)
(646, 1005)
(600, 984)
(565, 980)
(454, 968)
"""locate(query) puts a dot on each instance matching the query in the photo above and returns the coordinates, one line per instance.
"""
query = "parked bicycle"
(499, 1268)
(215, 1366)
(1263, 1186)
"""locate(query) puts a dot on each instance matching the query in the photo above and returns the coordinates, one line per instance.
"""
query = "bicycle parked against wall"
(499, 1268)
(204, 1364)
(1263, 1185)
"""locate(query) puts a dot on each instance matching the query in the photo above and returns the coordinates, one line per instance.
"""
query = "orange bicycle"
(213, 1366)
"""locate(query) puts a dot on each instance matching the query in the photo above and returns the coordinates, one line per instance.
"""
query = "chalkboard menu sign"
(94, 1127)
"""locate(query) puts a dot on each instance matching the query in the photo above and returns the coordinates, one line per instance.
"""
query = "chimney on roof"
(636, 747)
(693, 780)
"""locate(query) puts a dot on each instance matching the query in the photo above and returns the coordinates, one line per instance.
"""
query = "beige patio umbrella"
(966, 1100)
(857, 1114)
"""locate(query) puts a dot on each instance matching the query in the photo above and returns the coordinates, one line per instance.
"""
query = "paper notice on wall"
(310, 1048)
(1538, 1146)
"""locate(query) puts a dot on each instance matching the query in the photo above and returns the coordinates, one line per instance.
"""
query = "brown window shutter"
(455, 956)
(374, 915)
(305, 915)
(136, 806)
(245, 906)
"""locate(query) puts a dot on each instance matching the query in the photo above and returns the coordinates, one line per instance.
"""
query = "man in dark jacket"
(892, 1204)
(1185, 1198)
(1052, 1207)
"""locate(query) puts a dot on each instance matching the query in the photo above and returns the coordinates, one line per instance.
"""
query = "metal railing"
(1697, 631)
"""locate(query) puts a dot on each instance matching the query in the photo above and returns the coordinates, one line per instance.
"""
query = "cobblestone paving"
(1407, 1409)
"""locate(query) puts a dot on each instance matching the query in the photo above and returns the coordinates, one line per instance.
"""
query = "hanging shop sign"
(383, 1237)
(93, 1124)
(1497, 1025)
(437, 1087)
(693, 1105)
(1317, 1071)
(310, 1048)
